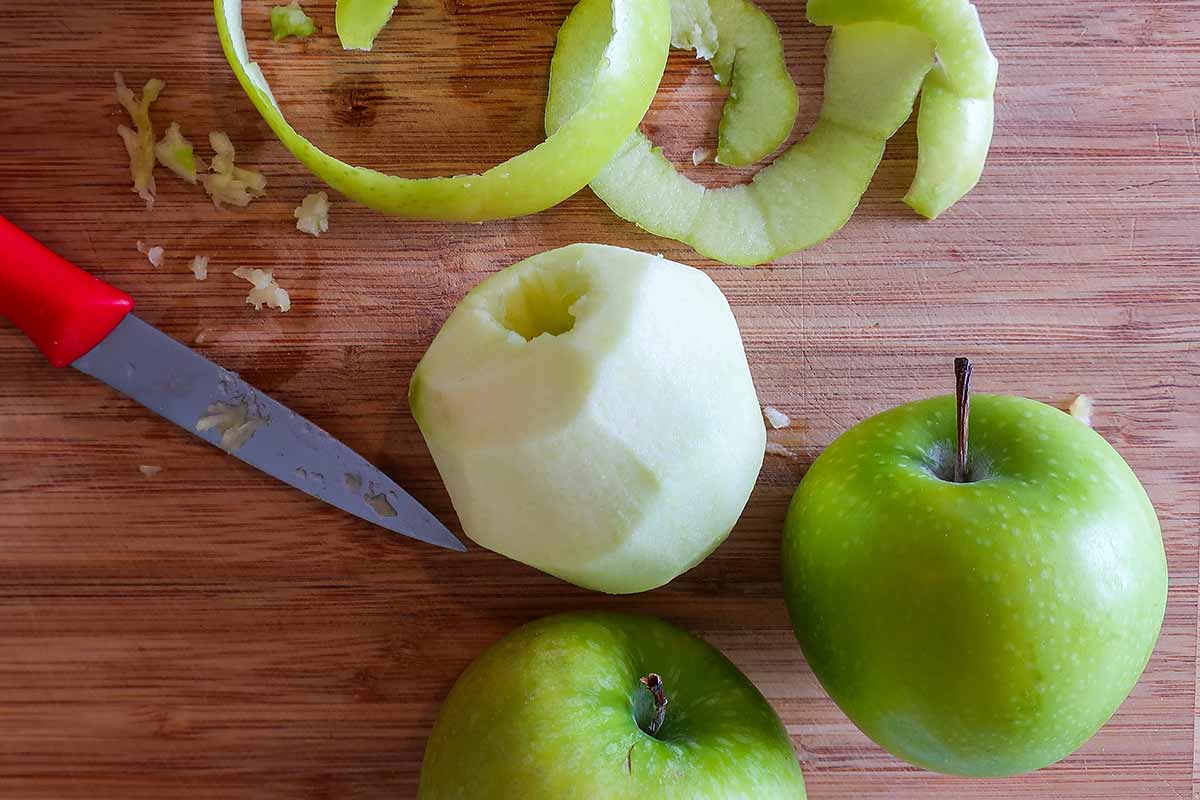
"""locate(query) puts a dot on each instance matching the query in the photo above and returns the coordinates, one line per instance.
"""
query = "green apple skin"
(555, 710)
(592, 414)
(360, 21)
(874, 72)
(986, 628)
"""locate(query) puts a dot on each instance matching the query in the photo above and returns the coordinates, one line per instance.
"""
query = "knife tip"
(453, 543)
(432, 531)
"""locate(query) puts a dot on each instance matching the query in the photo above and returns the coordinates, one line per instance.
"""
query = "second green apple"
(986, 627)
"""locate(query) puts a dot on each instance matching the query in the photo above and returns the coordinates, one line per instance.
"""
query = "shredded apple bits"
(227, 182)
(200, 267)
(156, 255)
(177, 154)
(266, 291)
(774, 449)
(139, 144)
(235, 423)
(312, 217)
(1081, 408)
(776, 418)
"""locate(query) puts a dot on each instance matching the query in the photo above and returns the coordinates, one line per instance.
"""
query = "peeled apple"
(592, 414)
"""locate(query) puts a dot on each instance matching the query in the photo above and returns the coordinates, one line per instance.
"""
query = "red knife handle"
(62, 309)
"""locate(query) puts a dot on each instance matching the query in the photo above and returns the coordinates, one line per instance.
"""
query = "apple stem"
(654, 684)
(962, 374)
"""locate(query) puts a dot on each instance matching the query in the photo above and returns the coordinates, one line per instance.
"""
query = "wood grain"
(209, 633)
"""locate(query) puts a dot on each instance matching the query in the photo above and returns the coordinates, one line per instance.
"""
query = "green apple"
(609, 706)
(985, 627)
(592, 415)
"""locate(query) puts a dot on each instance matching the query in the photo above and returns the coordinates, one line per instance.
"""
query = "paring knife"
(78, 320)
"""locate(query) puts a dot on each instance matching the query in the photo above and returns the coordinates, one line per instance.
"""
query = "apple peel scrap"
(176, 153)
(746, 52)
(877, 64)
(634, 38)
(229, 183)
(360, 21)
(265, 291)
(139, 144)
(956, 118)
(290, 20)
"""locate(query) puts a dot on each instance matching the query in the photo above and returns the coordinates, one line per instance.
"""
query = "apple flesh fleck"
(559, 709)
(982, 628)
(776, 418)
(1082, 408)
(592, 414)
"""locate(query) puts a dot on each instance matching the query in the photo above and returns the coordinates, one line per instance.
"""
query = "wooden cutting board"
(211, 633)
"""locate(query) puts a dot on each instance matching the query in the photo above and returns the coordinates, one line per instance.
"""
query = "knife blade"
(183, 386)
(79, 320)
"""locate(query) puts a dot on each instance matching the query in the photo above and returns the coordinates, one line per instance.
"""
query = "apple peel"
(139, 143)
(873, 74)
(957, 115)
(359, 22)
(290, 20)
(637, 35)
(176, 153)
(743, 45)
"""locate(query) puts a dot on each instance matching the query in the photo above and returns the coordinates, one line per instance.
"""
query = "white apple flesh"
(592, 414)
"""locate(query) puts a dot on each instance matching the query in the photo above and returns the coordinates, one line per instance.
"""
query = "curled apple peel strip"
(873, 74)
(957, 114)
(634, 40)
(876, 66)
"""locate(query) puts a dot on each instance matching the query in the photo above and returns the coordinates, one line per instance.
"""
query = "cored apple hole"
(541, 302)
